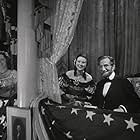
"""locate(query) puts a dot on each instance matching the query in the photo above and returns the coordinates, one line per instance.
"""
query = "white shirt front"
(106, 88)
(107, 84)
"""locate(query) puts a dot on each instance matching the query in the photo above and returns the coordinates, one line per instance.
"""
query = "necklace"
(4, 74)
(76, 82)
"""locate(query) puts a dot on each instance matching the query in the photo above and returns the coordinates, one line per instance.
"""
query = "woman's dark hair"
(75, 69)
(7, 57)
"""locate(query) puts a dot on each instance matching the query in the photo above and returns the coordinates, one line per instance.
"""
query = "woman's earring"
(75, 62)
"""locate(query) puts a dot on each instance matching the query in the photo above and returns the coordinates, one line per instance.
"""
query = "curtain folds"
(66, 16)
(128, 36)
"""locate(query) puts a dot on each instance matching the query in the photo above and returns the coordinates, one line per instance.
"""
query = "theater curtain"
(108, 27)
(127, 31)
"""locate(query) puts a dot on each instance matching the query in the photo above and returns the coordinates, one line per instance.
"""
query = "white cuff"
(123, 107)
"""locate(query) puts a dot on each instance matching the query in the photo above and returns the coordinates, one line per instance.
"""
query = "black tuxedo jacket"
(121, 92)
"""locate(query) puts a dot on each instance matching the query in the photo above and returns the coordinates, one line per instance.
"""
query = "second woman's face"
(81, 63)
(2, 62)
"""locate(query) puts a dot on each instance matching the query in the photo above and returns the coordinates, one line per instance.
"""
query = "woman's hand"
(90, 89)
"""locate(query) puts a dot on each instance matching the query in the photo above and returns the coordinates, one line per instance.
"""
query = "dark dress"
(74, 91)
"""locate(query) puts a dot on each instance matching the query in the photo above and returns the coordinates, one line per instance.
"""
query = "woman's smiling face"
(81, 63)
(2, 62)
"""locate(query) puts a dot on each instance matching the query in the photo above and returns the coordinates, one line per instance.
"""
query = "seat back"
(136, 83)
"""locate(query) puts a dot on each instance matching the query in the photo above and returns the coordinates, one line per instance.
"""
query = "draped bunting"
(87, 123)
(66, 15)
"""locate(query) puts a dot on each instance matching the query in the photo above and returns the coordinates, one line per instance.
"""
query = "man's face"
(106, 68)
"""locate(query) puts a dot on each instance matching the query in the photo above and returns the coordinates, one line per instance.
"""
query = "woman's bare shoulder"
(88, 77)
(70, 73)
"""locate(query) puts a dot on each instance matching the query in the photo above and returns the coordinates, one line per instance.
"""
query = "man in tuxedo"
(114, 92)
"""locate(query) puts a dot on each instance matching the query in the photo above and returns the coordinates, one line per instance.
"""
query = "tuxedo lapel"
(112, 88)
(100, 87)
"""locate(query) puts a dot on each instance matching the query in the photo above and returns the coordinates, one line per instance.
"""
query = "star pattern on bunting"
(68, 135)
(48, 102)
(2, 118)
(53, 122)
(74, 110)
(92, 119)
(131, 124)
(5, 102)
(90, 114)
(4, 124)
(61, 107)
(43, 110)
(107, 119)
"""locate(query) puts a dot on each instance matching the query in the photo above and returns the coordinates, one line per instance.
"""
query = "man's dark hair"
(112, 60)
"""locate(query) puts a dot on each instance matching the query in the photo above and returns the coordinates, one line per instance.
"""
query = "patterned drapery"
(64, 26)
(65, 20)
